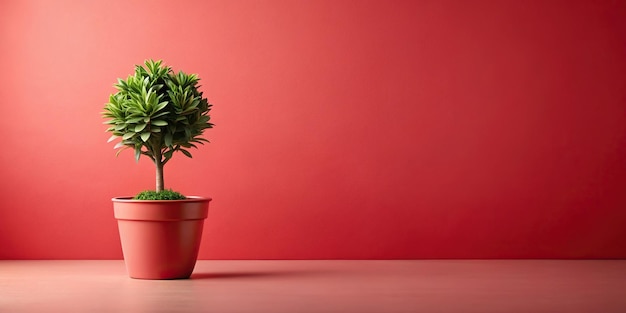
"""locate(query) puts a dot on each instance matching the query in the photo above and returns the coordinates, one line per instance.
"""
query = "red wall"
(344, 129)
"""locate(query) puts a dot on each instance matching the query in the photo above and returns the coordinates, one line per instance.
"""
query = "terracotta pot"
(160, 238)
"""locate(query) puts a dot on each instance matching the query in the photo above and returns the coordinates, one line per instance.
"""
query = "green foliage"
(166, 194)
(157, 112)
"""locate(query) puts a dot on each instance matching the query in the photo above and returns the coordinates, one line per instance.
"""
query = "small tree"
(157, 112)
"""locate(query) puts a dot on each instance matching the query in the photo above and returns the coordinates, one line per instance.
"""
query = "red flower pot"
(160, 238)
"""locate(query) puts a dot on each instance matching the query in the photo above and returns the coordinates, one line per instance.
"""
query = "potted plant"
(156, 113)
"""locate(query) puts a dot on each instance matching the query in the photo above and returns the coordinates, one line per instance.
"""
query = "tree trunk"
(159, 171)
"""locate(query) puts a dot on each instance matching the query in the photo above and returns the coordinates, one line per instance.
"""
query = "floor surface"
(320, 286)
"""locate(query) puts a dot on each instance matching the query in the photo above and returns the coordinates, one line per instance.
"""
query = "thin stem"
(158, 162)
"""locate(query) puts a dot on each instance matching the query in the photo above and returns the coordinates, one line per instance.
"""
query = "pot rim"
(189, 199)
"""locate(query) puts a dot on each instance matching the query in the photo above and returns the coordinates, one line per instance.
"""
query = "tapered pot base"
(160, 239)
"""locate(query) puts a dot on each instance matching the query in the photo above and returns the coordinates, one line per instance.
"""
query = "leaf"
(120, 150)
(140, 127)
(161, 106)
(189, 145)
(112, 138)
(168, 154)
(134, 120)
(158, 123)
(128, 136)
(137, 153)
(185, 152)
(145, 136)
(119, 145)
(160, 114)
(168, 139)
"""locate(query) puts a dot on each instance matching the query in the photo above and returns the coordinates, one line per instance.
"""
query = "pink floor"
(320, 286)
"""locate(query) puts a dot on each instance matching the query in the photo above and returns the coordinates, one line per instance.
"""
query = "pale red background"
(344, 129)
